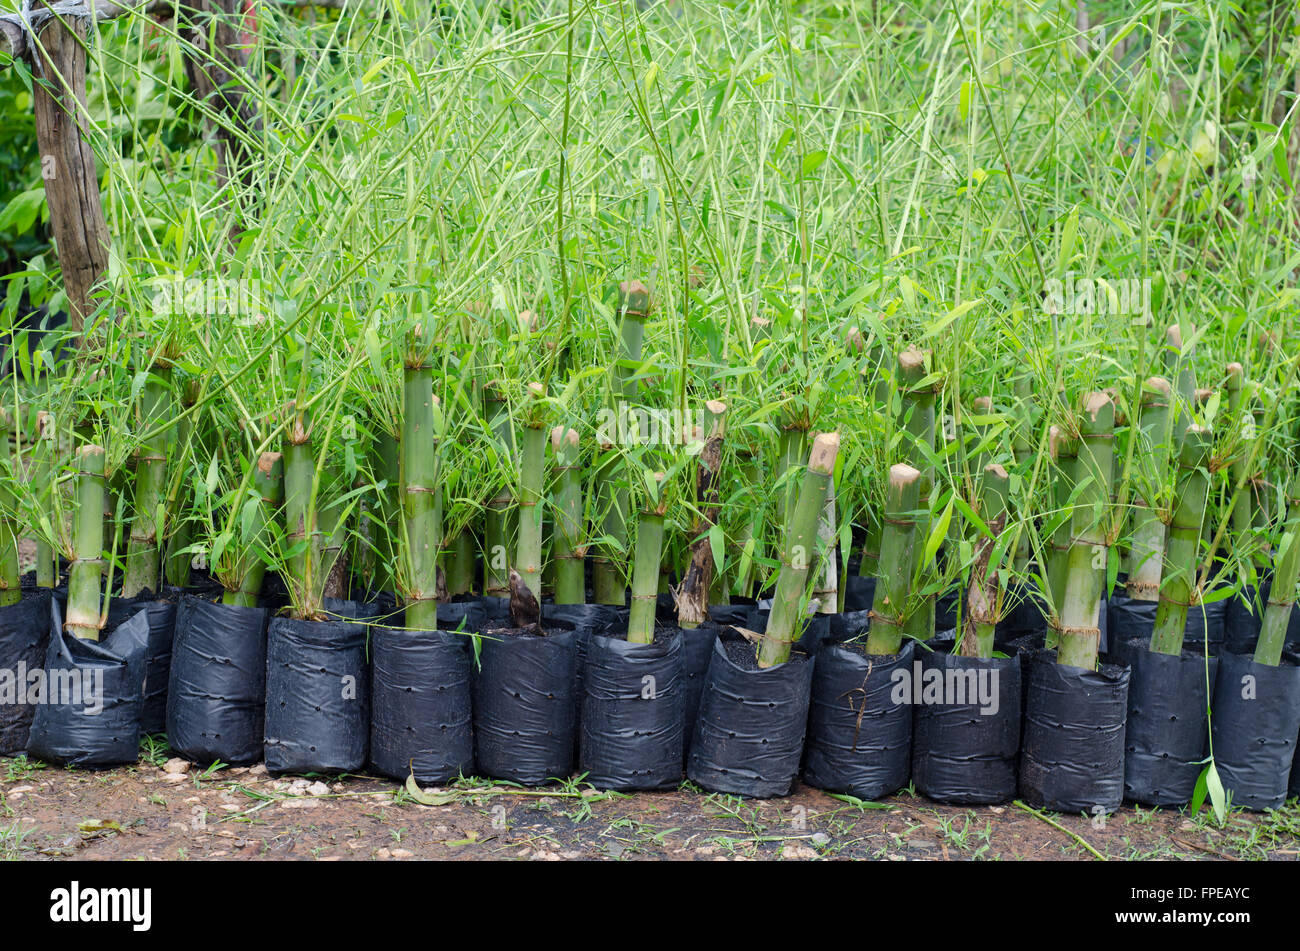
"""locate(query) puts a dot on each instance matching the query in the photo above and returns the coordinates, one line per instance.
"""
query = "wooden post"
(215, 60)
(71, 178)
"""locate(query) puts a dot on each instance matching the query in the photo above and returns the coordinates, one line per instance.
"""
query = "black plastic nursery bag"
(965, 745)
(24, 637)
(525, 707)
(1072, 751)
(160, 613)
(216, 698)
(750, 727)
(317, 695)
(1256, 717)
(421, 704)
(1167, 732)
(94, 690)
(860, 721)
(632, 712)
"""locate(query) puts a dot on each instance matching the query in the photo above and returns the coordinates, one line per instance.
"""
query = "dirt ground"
(166, 809)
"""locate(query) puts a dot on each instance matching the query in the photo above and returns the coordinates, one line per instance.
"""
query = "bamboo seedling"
(1089, 545)
(645, 569)
(243, 583)
(984, 592)
(1147, 540)
(693, 597)
(421, 509)
(532, 480)
(891, 603)
(497, 520)
(10, 575)
(1182, 547)
(569, 550)
(84, 618)
(143, 553)
(608, 578)
(798, 553)
(1286, 572)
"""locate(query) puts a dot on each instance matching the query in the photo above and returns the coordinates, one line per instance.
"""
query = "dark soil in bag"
(524, 704)
(1166, 735)
(94, 694)
(421, 704)
(216, 697)
(964, 747)
(749, 731)
(859, 724)
(632, 712)
(24, 638)
(318, 692)
(1255, 721)
(1072, 751)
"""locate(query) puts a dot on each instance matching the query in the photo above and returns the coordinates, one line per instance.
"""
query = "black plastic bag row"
(1166, 734)
(1072, 751)
(1255, 722)
(749, 732)
(216, 699)
(24, 638)
(94, 691)
(632, 712)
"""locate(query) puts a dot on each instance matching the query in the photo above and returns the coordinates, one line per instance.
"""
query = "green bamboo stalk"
(1183, 547)
(893, 587)
(1147, 545)
(693, 598)
(460, 566)
(984, 593)
(609, 580)
(302, 530)
(826, 586)
(11, 591)
(143, 553)
(1064, 450)
(268, 484)
(645, 571)
(1286, 571)
(84, 618)
(421, 494)
(569, 549)
(798, 553)
(498, 518)
(749, 536)
(918, 420)
(789, 459)
(1086, 573)
(532, 480)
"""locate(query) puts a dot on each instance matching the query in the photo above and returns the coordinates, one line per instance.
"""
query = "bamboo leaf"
(938, 532)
